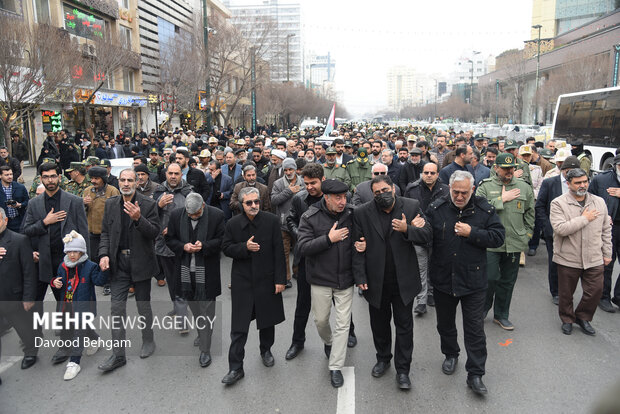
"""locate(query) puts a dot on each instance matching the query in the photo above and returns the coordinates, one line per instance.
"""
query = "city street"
(535, 368)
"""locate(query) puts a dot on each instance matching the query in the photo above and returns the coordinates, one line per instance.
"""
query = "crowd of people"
(412, 218)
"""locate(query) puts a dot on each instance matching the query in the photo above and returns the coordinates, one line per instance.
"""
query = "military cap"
(205, 153)
(362, 153)
(450, 142)
(331, 150)
(494, 141)
(348, 144)
(105, 162)
(154, 151)
(525, 149)
(546, 153)
(48, 160)
(74, 166)
(510, 144)
(480, 137)
(213, 140)
(98, 172)
(415, 151)
(570, 163)
(92, 160)
(505, 160)
(334, 187)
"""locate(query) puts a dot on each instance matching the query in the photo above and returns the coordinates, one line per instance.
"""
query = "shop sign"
(115, 99)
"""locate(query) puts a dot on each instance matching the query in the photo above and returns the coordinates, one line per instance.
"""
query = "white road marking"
(346, 393)
(8, 363)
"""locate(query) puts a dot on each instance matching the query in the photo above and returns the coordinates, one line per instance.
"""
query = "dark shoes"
(556, 300)
(233, 376)
(616, 301)
(293, 351)
(288, 284)
(505, 324)
(268, 360)
(379, 369)
(449, 365)
(420, 309)
(147, 350)
(336, 378)
(606, 305)
(531, 252)
(205, 359)
(567, 328)
(586, 327)
(28, 361)
(328, 350)
(430, 300)
(60, 356)
(403, 381)
(112, 363)
(476, 385)
(352, 341)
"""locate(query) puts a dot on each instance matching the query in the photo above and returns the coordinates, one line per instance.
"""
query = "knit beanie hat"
(289, 163)
(74, 242)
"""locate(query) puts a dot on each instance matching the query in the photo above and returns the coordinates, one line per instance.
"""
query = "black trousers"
(539, 223)
(303, 307)
(380, 324)
(166, 266)
(119, 286)
(204, 308)
(472, 307)
(13, 312)
(93, 253)
(552, 273)
(615, 244)
(236, 353)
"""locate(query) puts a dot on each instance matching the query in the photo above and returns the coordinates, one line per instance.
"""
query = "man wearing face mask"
(582, 247)
(387, 271)
(359, 169)
(607, 186)
(464, 227)
(412, 171)
(578, 151)
(333, 170)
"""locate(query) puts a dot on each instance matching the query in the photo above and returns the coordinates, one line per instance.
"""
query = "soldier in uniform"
(79, 179)
(110, 179)
(334, 171)
(522, 169)
(513, 200)
(36, 182)
(90, 162)
(584, 160)
(359, 169)
(154, 162)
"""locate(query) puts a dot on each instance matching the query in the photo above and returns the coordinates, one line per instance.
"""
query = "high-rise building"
(402, 87)
(284, 51)
(559, 16)
(320, 72)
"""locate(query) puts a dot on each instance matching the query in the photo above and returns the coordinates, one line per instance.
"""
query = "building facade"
(560, 16)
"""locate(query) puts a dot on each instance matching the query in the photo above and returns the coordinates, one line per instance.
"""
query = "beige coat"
(577, 242)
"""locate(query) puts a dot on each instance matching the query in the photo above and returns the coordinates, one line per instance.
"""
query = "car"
(119, 164)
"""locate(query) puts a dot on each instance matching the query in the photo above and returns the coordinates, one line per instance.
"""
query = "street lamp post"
(471, 82)
(288, 66)
(205, 28)
(435, 106)
(538, 26)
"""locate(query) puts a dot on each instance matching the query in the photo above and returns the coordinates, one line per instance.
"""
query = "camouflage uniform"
(78, 189)
(37, 180)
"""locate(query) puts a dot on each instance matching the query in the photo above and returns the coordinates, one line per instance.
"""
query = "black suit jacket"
(18, 277)
(211, 245)
(143, 234)
(369, 267)
(549, 190)
(198, 180)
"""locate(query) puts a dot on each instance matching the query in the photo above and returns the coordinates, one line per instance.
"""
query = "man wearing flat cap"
(323, 239)
(412, 170)
(94, 198)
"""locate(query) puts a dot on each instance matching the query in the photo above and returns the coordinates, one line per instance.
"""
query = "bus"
(592, 117)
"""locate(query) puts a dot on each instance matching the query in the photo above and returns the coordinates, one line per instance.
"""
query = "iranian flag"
(331, 123)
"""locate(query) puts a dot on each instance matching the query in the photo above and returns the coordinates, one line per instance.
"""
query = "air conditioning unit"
(89, 50)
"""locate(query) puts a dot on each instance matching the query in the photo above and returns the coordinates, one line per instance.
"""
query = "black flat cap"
(334, 187)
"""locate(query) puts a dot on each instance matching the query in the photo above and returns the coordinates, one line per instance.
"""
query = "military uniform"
(585, 162)
(154, 168)
(359, 169)
(74, 187)
(337, 172)
(37, 181)
(517, 216)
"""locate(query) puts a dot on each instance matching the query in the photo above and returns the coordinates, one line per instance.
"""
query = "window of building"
(128, 80)
(82, 23)
(124, 4)
(41, 11)
(11, 5)
(125, 37)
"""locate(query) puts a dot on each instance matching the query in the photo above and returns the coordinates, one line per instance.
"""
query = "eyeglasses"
(429, 172)
(250, 202)
(379, 173)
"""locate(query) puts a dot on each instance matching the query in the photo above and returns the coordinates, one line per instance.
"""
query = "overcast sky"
(366, 37)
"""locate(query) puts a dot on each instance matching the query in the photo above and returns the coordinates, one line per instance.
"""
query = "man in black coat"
(127, 248)
(6, 159)
(254, 241)
(412, 170)
(464, 226)
(18, 287)
(388, 273)
(193, 176)
(195, 236)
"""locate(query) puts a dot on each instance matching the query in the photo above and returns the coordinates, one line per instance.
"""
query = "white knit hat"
(74, 242)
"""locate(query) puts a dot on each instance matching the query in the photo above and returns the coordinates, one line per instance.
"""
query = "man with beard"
(578, 151)
(222, 189)
(375, 152)
(412, 171)
(342, 158)
(426, 190)
(13, 163)
(334, 171)
(253, 240)
(440, 149)
(192, 176)
(462, 162)
(281, 197)
(387, 158)
(277, 156)
(522, 170)
(464, 227)
(49, 216)
(403, 157)
(513, 200)
(195, 236)
(128, 232)
(204, 159)
(490, 156)
(79, 182)
(13, 199)
(388, 273)
(169, 195)
(249, 180)
(262, 163)
(154, 161)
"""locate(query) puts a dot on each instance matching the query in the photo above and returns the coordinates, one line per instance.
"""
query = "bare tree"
(34, 65)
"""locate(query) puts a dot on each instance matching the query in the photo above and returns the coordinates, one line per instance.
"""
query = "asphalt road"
(533, 369)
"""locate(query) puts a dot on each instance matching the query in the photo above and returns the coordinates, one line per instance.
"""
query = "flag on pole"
(331, 123)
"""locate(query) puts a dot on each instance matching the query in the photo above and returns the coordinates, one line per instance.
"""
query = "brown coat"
(265, 199)
(577, 242)
(545, 165)
(94, 212)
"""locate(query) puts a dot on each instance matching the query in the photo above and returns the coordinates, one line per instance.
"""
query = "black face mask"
(384, 200)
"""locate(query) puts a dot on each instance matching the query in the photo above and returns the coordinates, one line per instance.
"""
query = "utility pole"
(538, 26)
(253, 69)
(288, 65)
(205, 27)
(471, 83)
